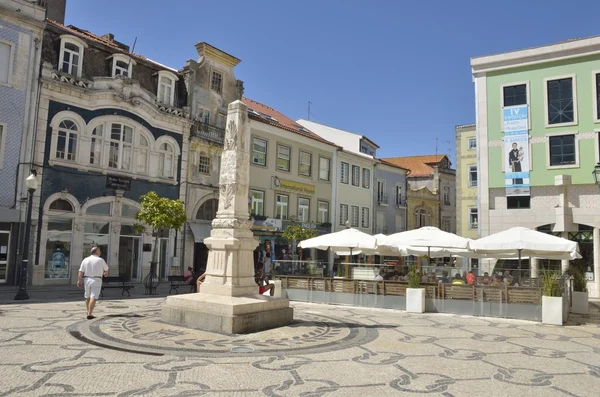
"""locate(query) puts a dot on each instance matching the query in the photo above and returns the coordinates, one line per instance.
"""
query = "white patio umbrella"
(435, 240)
(344, 240)
(525, 243)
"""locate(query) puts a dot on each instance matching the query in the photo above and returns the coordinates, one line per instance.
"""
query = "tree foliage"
(296, 233)
(160, 213)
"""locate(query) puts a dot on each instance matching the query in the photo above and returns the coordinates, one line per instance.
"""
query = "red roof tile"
(280, 120)
(418, 165)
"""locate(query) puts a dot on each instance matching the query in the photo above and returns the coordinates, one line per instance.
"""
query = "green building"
(538, 121)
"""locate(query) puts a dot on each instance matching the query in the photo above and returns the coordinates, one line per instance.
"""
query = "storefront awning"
(200, 231)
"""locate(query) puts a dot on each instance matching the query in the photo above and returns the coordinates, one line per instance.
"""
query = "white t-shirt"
(378, 278)
(93, 266)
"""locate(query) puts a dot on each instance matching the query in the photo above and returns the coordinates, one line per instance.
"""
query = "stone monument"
(228, 300)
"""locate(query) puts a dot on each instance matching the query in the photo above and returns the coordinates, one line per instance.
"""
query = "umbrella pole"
(347, 270)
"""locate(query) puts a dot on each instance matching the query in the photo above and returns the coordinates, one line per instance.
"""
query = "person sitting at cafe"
(445, 278)
(470, 278)
(379, 277)
(458, 279)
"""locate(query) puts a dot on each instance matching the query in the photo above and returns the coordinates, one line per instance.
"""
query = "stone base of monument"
(226, 314)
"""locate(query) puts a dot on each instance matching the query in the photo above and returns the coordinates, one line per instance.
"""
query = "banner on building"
(516, 150)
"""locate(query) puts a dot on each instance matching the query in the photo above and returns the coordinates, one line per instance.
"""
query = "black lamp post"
(32, 184)
(596, 174)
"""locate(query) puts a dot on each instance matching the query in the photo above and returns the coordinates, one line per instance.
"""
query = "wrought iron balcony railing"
(208, 132)
(401, 202)
(382, 198)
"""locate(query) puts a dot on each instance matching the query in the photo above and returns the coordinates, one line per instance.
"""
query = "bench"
(178, 281)
(117, 283)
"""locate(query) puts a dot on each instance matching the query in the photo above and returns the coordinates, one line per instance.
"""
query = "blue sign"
(516, 150)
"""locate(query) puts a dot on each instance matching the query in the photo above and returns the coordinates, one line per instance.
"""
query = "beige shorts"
(92, 287)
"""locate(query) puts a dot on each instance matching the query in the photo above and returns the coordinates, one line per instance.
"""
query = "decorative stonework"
(71, 80)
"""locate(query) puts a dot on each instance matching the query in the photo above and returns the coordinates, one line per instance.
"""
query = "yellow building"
(466, 181)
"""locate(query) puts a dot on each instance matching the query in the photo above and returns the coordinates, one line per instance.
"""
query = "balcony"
(208, 132)
(382, 198)
(401, 203)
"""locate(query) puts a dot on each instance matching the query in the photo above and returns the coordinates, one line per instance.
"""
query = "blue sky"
(396, 71)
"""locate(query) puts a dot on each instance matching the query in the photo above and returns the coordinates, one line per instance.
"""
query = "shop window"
(517, 202)
(208, 210)
(58, 248)
(96, 234)
(129, 211)
(99, 209)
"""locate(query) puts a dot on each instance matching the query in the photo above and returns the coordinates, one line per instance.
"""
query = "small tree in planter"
(415, 295)
(295, 233)
(552, 301)
(158, 214)
(579, 297)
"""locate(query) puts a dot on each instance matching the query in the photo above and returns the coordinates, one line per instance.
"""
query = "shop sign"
(118, 182)
(291, 186)
(267, 225)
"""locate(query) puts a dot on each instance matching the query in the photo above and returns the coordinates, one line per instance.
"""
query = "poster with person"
(516, 150)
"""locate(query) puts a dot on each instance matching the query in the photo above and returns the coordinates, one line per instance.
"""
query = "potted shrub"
(415, 295)
(579, 296)
(552, 301)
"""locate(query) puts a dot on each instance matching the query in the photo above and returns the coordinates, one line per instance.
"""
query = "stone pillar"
(564, 264)
(596, 285)
(535, 267)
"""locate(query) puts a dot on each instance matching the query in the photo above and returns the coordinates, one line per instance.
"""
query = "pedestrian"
(261, 280)
(90, 276)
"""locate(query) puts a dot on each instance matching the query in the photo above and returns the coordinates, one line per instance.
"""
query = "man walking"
(90, 275)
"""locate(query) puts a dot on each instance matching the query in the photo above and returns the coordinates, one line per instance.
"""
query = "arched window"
(122, 65)
(208, 210)
(422, 218)
(121, 146)
(166, 157)
(96, 145)
(142, 156)
(71, 55)
(99, 209)
(166, 87)
(129, 211)
(66, 144)
(61, 205)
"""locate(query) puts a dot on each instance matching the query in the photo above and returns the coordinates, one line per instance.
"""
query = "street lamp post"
(596, 174)
(32, 184)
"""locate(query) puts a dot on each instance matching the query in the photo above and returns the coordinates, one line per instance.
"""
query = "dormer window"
(71, 55)
(122, 65)
(216, 83)
(166, 87)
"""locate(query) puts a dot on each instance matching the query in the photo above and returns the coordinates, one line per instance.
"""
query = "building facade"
(390, 199)
(466, 181)
(431, 191)
(538, 120)
(21, 27)
(111, 127)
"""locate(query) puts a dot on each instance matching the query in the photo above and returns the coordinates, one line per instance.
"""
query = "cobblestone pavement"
(48, 349)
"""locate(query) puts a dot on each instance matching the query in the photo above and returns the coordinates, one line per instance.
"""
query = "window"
(71, 55)
(597, 84)
(399, 201)
(422, 218)
(166, 87)
(303, 209)
(447, 195)
(2, 144)
(58, 248)
(204, 165)
(96, 145)
(99, 209)
(61, 205)
(257, 202)
(562, 150)
(355, 175)
(129, 211)
(473, 218)
(515, 95)
(121, 65)
(259, 151)
(66, 144)
(283, 158)
(305, 163)
(166, 163)
(216, 83)
(142, 155)
(204, 116)
(366, 178)
(354, 219)
(324, 168)
(5, 62)
(472, 175)
(323, 212)
(345, 173)
(364, 219)
(517, 202)
(343, 214)
(382, 197)
(281, 206)
(121, 146)
(208, 210)
(472, 143)
(560, 104)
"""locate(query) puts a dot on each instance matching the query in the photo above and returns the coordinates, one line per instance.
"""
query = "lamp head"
(32, 182)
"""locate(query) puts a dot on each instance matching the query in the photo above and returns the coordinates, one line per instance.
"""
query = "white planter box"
(579, 302)
(552, 310)
(415, 300)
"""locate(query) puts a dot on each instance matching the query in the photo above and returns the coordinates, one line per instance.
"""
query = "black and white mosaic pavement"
(48, 349)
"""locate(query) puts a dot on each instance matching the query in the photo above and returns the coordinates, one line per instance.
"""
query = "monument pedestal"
(227, 314)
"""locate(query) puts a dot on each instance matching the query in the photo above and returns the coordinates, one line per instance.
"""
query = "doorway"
(4, 240)
(130, 244)
(200, 258)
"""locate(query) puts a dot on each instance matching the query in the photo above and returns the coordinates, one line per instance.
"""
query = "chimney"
(108, 37)
(55, 10)
(111, 39)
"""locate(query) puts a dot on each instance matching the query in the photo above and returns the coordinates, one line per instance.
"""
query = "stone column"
(564, 264)
(535, 266)
(596, 285)
(230, 265)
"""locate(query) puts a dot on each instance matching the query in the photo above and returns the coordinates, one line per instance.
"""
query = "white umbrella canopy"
(429, 237)
(344, 240)
(526, 242)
